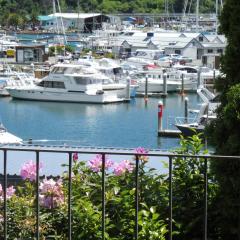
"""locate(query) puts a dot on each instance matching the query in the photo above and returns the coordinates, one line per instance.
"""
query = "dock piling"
(165, 84)
(128, 89)
(182, 89)
(186, 109)
(160, 114)
(146, 90)
(198, 78)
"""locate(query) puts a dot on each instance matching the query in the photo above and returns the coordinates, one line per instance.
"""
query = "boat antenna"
(197, 16)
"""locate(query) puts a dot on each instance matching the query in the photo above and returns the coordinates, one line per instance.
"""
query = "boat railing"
(37, 152)
(182, 120)
(171, 121)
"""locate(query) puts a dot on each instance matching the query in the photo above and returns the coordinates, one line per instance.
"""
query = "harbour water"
(127, 125)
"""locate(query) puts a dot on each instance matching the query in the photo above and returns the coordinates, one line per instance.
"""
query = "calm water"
(114, 125)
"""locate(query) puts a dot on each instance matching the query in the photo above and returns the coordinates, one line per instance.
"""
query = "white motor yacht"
(9, 78)
(155, 80)
(68, 82)
(8, 138)
(115, 80)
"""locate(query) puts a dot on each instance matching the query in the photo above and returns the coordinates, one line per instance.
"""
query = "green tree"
(225, 130)
(16, 20)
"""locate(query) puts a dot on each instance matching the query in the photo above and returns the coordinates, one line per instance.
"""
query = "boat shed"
(30, 53)
(84, 22)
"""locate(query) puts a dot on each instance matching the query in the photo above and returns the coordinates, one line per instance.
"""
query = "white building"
(85, 22)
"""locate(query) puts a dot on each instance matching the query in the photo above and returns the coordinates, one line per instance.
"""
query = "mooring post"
(160, 114)
(182, 90)
(146, 90)
(128, 89)
(214, 80)
(165, 84)
(186, 109)
(198, 78)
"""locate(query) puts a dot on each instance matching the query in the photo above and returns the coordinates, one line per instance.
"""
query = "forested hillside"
(106, 6)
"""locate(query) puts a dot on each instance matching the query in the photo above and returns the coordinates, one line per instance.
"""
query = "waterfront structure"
(30, 53)
(193, 45)
(84, 22)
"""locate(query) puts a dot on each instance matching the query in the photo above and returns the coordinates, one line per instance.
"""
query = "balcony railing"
(124, 152)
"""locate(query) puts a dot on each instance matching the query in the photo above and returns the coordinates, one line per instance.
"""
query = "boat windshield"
(86, 80)
(59, 70)
(51, 84)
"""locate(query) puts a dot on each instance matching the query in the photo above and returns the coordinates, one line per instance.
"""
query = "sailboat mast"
(166, 7)
(197, 16)
(54, 14)
(216, 16)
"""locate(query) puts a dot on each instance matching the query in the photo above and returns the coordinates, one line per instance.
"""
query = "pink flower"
(51, 193)
(75, 157)
(10, 191)
(143, 151)
(122, 167)
(28, 170)
(96, 164)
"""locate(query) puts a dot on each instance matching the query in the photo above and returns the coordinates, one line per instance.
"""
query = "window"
(59, 70)
(220, 51)
(210, 51)
(58, 84)
(200, 39)
(51, 84)
(82, 80)
(177, 51)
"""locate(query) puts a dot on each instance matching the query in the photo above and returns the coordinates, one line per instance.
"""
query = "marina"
(119, 119)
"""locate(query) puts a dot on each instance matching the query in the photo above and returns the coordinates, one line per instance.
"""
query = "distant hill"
(19, 12)
(105, 6)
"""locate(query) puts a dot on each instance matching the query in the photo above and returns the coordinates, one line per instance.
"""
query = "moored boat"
(6, 137)
(68, 83)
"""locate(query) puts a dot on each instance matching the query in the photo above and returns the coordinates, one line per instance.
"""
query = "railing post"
(103, 196)
(5, 193)
(205, 197)
(136, 196)
(170, 198)
(69, 196)
(37, 195)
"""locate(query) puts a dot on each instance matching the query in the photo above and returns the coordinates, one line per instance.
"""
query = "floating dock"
(156, 95)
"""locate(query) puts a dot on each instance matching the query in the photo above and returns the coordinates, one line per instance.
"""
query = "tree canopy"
(225, 130)
(27, 7)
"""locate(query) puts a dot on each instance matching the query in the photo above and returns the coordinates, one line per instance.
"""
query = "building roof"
(45, 18)
(214, 45)
(75, 15)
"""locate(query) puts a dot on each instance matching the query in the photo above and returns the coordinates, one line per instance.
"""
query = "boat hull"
(188, 130)
(64, 96)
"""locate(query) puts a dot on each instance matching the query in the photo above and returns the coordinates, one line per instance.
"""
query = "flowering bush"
(122, 167)
(96, 163)
(86, 201)
(28, 170)
(9, 193)
(51, 193)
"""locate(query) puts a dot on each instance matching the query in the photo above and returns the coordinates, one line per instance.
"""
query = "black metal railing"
(125, 152)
